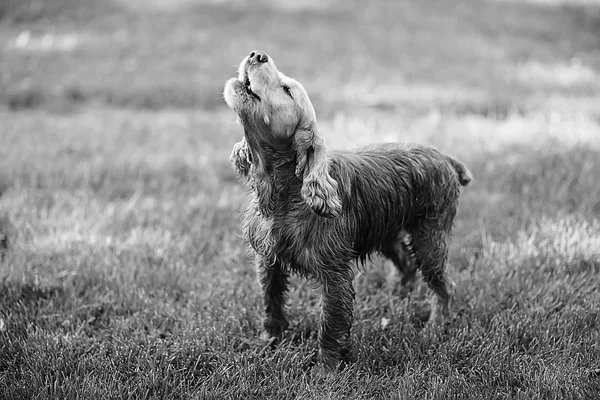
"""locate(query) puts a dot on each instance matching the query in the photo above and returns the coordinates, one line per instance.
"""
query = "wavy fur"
(315, 212)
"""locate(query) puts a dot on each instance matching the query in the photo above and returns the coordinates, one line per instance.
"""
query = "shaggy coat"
(315, 213)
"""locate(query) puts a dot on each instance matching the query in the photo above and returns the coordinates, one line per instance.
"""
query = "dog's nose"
(258, 57)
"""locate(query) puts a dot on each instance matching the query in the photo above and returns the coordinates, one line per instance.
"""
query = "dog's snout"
(258, 57)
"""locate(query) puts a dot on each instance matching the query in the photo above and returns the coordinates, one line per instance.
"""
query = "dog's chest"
(274, 237)
(258, 232)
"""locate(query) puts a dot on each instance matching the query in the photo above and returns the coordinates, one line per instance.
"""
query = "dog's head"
(276, 113)
(267, 101)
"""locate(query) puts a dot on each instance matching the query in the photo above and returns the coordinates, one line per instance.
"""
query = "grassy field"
(125, 275)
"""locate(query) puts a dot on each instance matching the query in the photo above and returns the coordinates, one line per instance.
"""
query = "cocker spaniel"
(315, 212)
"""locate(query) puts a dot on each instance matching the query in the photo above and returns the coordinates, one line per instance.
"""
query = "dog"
(315, 213)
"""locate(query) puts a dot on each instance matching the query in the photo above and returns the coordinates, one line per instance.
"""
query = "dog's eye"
(287, 90)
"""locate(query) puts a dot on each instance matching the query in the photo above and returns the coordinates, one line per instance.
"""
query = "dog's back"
(418, 172)
(405, 155)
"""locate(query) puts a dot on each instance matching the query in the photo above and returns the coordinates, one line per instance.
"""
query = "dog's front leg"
(274, 282)
(336, 317)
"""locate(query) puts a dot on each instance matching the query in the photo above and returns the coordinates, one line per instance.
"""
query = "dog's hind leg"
(431, 253)
(274, 282)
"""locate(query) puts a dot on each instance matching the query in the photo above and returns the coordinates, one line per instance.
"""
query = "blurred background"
(118, 206)
(119, 103)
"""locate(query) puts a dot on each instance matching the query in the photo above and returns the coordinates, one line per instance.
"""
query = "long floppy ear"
(252, 175)
(319, 189)
(241, 159)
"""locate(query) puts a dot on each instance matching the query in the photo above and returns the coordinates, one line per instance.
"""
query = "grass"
(125, 275)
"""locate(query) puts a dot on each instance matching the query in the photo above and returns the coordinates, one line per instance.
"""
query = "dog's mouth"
(247, 85)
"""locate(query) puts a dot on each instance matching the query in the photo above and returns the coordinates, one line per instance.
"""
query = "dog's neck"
(274, 166)
(269, 153)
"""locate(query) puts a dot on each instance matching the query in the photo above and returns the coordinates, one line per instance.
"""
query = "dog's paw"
(274, 327)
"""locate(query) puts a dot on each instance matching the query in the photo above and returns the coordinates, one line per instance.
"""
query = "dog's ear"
(319, 189)
(241, 159)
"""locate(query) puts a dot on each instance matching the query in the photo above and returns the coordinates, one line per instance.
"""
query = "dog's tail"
(464, 175)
